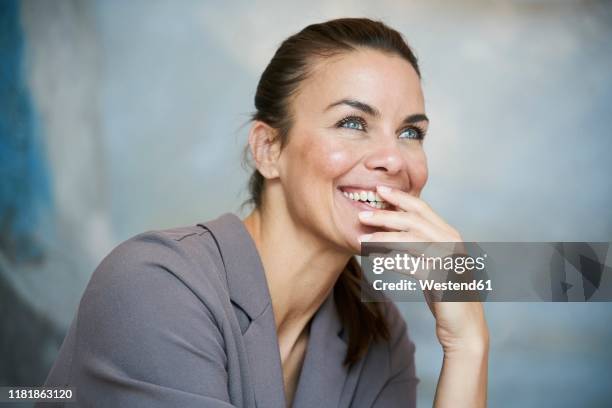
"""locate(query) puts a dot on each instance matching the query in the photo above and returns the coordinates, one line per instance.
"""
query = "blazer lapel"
(323, 379)
(249, 291)
(264, 356)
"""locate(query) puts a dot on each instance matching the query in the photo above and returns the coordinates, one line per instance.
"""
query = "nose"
(386, 158)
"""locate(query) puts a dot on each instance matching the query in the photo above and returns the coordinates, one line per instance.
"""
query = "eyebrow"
(372, 111)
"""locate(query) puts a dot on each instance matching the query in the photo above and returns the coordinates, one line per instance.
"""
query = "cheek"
(418, 172)
(335, 161)
(329, 158)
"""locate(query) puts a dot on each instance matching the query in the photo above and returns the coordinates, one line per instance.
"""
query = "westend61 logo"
(406, 263)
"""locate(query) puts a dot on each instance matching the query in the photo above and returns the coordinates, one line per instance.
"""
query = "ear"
(265, 148)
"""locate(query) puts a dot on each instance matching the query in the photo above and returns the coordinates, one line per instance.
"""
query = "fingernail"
(366, 214)
(383, 189)
(365, 237)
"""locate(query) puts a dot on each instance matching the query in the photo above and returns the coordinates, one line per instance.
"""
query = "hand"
(460, 326)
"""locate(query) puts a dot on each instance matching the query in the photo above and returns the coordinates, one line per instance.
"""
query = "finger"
(393, 220)
(404, 221)
(409, 203)
(391, 236)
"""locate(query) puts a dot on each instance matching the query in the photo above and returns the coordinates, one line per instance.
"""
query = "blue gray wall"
(122, 116)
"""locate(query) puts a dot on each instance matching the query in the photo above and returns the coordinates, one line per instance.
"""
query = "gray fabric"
(183, 318)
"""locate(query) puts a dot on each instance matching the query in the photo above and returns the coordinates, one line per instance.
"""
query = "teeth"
(369, 197)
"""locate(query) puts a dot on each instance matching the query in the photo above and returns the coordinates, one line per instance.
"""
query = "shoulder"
(399, 350)
(183, 261)
(175, 250)
(154, 281)
(170, 247)
(401, 356)
(389, 366)
(399, 339)
(152, 318)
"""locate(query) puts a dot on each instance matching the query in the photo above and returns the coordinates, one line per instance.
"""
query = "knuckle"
(422, 206)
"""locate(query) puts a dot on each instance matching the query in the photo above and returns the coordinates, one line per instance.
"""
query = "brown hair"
(290, 66)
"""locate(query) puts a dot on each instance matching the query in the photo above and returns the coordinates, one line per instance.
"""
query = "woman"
(266, 312)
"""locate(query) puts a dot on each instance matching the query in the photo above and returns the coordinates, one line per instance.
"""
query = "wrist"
(475, 344)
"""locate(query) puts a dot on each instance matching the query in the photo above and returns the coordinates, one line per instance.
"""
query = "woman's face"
(358, 122)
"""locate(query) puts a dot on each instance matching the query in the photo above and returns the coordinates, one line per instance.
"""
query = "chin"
(351, 234)
(349, 226)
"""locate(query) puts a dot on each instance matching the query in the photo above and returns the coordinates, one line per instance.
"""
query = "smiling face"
(358, 122)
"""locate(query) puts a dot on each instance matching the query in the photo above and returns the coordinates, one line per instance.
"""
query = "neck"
(300, 270)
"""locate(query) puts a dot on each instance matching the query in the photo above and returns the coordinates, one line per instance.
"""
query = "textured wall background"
(118, 117)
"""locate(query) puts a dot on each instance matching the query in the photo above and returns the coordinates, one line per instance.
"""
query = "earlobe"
(265, 149)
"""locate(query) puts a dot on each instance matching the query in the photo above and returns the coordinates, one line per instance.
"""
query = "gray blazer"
(183, 318)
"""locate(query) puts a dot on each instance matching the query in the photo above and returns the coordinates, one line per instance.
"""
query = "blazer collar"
(246, 279)
(323, 377)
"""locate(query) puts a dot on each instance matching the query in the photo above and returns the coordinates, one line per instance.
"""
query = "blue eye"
(411, 133)
(352, 122)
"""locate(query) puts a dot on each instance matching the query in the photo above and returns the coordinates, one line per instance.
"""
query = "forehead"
(384, 80)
